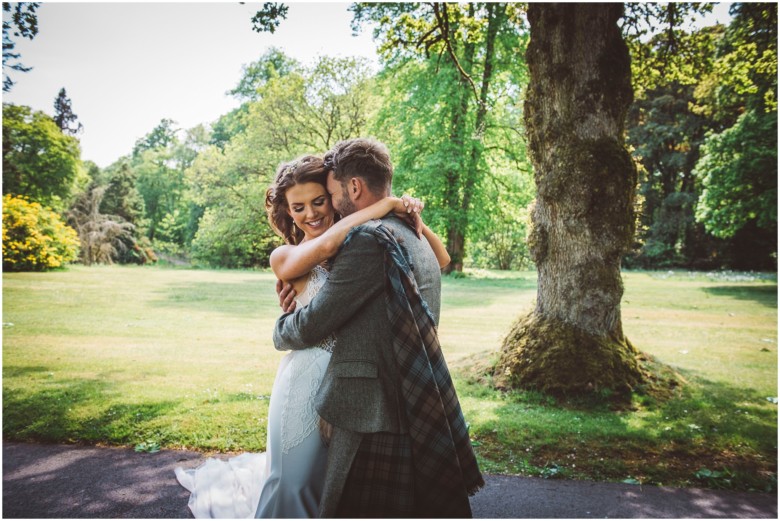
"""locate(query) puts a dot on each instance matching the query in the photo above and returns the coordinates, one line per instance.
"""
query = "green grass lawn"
(184, 358)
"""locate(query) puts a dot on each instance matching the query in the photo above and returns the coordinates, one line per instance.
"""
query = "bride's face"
(309, 206)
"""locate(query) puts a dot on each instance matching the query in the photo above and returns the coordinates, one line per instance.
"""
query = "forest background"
(702, 129)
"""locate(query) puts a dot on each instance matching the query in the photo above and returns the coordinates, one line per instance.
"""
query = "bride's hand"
(409, 208)
(412, 204)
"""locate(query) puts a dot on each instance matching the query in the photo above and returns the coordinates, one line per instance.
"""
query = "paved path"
(67, 481)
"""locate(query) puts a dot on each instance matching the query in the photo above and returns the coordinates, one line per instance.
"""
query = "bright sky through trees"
(127, 66)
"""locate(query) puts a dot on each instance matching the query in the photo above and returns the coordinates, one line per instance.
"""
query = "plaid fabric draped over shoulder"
(445, 468)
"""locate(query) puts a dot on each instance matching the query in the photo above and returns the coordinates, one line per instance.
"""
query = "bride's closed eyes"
(318, 202)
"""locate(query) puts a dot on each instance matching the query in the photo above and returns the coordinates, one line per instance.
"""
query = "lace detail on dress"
(317, 278)
(299, 418)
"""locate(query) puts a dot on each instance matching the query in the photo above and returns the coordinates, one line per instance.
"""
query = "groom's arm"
(357, 276)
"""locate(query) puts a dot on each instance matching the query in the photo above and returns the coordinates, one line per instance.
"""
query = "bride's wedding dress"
(287, 480)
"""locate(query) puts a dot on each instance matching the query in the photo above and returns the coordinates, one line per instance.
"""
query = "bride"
(287, 480)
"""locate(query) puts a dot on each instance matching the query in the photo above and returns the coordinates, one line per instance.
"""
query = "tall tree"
(39, 161)
(159, 162)
(583, 219)
(272, 64)
(738, 166)
(64, 116)
(121, 197)
(21, 21)
(302, 110)
(160, 137)
(666, 135)
(738, 169)
(464, 48)
(744, 75)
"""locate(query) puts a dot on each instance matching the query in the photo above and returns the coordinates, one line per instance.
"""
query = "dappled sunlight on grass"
(661, 444)
(719, 332)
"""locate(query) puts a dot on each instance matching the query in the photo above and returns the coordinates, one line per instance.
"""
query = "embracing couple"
(364, 420)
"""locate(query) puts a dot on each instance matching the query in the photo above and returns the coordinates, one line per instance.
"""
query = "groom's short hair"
(365, 158)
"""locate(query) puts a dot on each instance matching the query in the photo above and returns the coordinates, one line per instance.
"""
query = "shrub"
(104, 238)
(34, 237)
(227, 239)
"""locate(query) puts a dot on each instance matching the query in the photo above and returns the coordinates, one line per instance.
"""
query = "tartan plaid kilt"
(381, 480)
(381, 483)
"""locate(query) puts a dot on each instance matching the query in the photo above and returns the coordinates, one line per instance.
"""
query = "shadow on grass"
(246, 299)
(765, 294)
(15, 372)
(481, 292)
(709, 425)
(54, 411)
(727, 412)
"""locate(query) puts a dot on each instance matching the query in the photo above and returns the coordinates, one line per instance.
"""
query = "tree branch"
(443, 24)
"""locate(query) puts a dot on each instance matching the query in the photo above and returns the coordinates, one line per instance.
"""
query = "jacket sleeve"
(357, 277)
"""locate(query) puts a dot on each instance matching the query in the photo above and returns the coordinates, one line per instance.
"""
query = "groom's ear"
(355, 187)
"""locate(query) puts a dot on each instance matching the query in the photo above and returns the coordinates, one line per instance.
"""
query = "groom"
(400, 447)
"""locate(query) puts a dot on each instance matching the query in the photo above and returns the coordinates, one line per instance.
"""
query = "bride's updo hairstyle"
(305, 169)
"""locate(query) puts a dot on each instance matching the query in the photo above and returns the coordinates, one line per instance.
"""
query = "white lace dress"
(287, 480)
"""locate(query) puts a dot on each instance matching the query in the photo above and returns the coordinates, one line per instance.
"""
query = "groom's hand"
(286, 296)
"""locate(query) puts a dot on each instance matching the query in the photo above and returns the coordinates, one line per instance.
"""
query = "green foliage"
(313, 108)
(158, 165)
(160, 137)
(228, 125)
(738, 169)
(701, 206)
(666, 136)
(34, 237)
(297, 110)
(231, 239)
(452, 115)
(661, 50)
(122, 197)
(738, 166)
(449, 104)
(715, 478)
(273, 64)
(503, 246)
(744, 73)
(109, 217)
(149, 446)
(39, 161)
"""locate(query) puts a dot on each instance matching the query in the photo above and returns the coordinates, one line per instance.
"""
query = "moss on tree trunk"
(583, 219)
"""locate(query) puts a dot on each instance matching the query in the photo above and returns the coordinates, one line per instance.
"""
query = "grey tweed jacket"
(359, 391)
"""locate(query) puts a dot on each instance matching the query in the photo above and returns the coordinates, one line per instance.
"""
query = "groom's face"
(339, 196)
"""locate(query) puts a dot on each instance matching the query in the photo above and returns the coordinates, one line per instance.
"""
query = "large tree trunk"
(583, 219)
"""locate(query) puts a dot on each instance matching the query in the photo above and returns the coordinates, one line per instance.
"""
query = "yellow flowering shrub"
(34, 237)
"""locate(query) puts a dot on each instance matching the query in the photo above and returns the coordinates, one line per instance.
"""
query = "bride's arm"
(289, 262)
(438, 247)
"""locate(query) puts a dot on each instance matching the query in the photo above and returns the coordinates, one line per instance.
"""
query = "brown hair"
(305, 169)
(365, 158)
